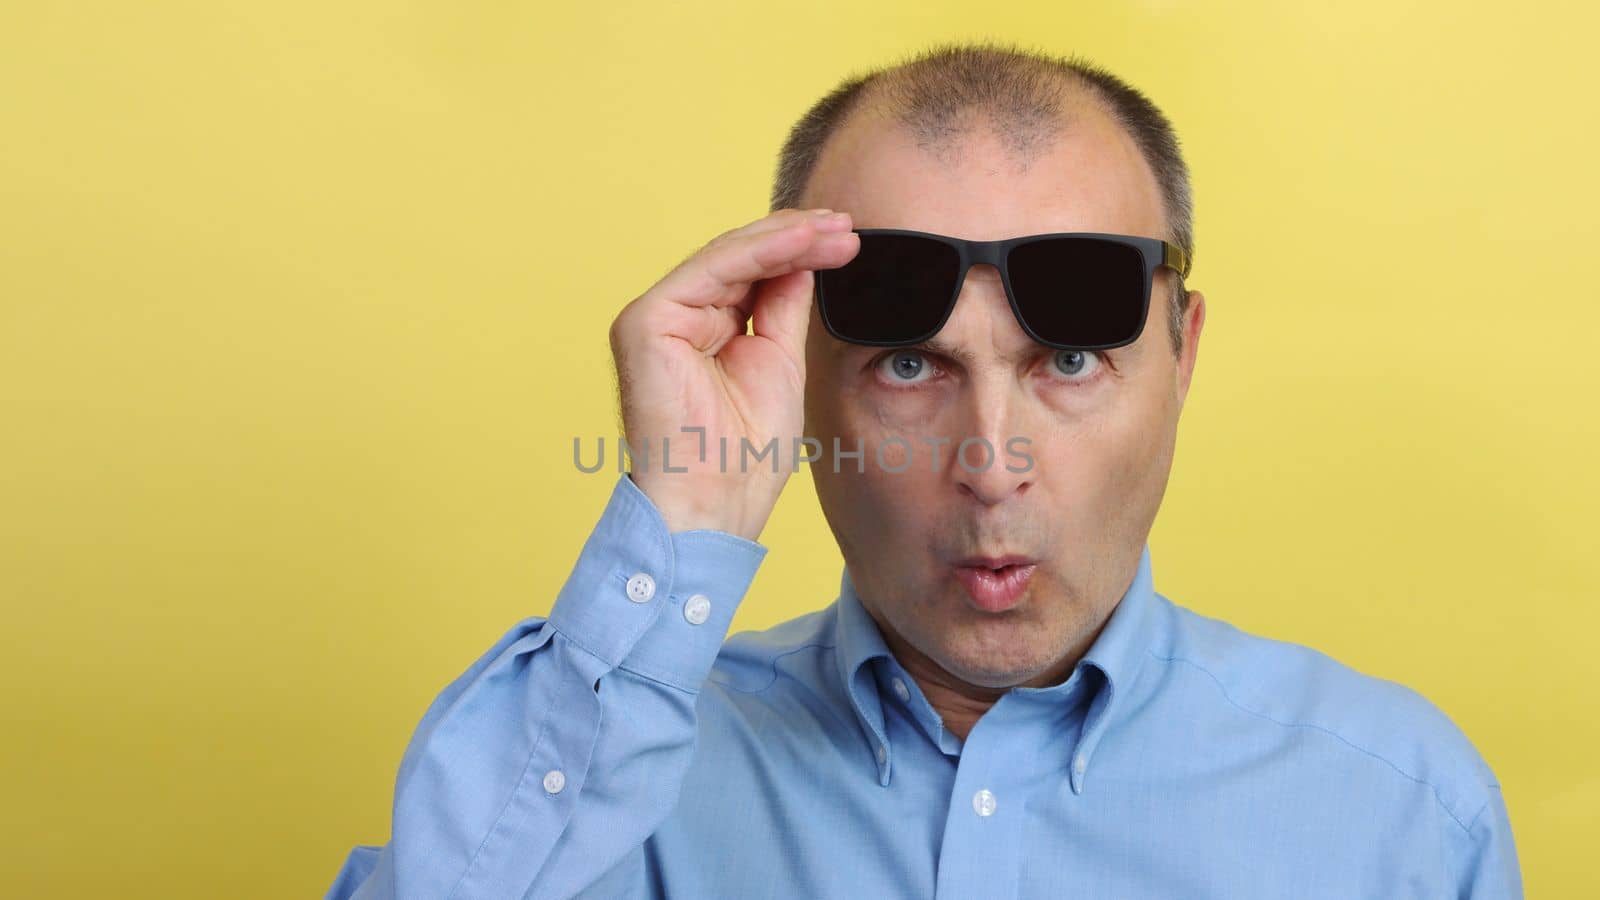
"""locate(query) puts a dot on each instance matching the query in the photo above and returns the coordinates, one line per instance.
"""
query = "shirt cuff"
(657, 604)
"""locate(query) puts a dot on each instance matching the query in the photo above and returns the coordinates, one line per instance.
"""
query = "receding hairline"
(915, 102)
(906, 101)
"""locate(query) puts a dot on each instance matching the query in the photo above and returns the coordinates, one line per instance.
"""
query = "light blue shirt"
(627, 747)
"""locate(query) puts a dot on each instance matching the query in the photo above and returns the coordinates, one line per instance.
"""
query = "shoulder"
(1285, 685)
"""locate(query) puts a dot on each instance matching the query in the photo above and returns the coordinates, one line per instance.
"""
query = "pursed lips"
(995, 583)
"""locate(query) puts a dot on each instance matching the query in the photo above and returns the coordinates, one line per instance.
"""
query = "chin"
(994, 670)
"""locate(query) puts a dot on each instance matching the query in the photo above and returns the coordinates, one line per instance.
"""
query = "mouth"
(995, 583)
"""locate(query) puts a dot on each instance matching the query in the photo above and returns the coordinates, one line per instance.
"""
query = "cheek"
(875, 518)
(902, 434)
(894, 489)
(1101, 454)
(908, 413)
(895, 454)
(886, 498)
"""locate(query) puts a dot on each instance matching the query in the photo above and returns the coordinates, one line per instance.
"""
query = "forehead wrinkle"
(945, 348)
(966, 356)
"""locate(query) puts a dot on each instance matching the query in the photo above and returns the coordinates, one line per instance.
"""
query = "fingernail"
(834, 222)
(821, 212)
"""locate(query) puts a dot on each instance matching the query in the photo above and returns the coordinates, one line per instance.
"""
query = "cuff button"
(697, 608)
(641, 588)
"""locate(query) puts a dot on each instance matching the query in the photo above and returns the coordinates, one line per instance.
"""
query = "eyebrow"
(946, 349)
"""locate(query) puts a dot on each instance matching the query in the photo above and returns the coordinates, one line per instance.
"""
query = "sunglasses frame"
(1155, 252)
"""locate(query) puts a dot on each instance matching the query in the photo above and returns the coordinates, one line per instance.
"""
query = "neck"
(959, 703)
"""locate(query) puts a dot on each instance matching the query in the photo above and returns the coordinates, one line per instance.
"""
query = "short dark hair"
(1024, 95)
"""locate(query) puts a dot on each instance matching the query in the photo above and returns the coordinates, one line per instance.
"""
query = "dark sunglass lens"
(1084, 292)
(897, 288)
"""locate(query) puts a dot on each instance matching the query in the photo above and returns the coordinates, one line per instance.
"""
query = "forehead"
(1085, 175)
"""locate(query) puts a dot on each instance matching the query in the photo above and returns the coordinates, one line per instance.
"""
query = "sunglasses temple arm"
(1173, 256)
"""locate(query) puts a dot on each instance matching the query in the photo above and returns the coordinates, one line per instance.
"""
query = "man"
(998, 704)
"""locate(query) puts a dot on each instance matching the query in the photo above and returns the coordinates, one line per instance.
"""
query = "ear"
(1194, 319)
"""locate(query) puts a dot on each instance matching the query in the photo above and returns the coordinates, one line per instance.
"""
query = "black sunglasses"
(1070, 290)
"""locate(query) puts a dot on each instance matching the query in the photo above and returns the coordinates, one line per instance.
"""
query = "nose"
(991, 462)
(985, 465)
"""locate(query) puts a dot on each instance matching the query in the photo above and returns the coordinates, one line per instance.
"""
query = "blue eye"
(1075, 362)
(905, 367)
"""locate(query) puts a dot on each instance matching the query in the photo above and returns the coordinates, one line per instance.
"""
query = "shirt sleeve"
(1489, 869)
(553, 758)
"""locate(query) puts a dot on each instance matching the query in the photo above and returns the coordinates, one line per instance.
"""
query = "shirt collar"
(1118, 652)
(857, 641)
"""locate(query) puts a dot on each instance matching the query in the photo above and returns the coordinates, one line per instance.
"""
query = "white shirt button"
(696, 608)
(883, 753)
(983, 802)
(554, 781)
(641, 588)
(901, 691)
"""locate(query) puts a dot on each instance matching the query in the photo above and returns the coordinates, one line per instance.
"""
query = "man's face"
(1100, 427)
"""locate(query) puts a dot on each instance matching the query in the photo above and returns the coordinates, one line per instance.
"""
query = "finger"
(773, 221)
(783, 311)
(707, 328)
(780, 218)
(754, 256)
(722, 273)
(828, 252)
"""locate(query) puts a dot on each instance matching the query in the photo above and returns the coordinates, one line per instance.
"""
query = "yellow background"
(301, 305)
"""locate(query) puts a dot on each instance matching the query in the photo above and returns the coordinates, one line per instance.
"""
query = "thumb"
(782, 312)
